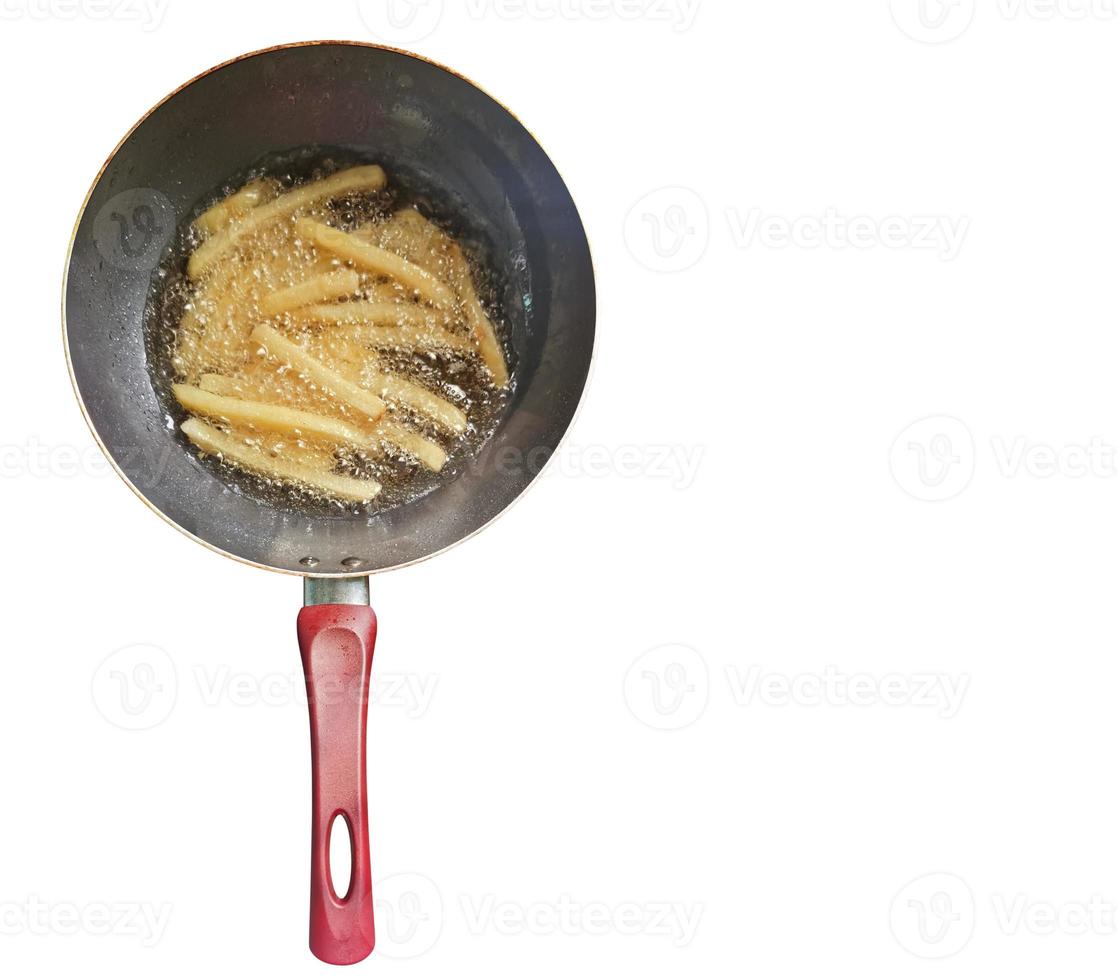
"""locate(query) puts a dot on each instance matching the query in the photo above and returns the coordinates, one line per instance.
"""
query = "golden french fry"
(409, 234)
(408, 338)
(237, 205)
(364, 311)
(422, 228)
(212, 440)
(364, 370)
(426, 244)
(491, 353)
(282, 349)
(419, 399)
(312, 456)
(215, 328)
(211, 251)
(407, 325)
(265, 380)
(327, 263)
(386, 292)
(377, 260)
(428, 452)
(271, 418)
(316, 289)
(367, 232)
(220, 384)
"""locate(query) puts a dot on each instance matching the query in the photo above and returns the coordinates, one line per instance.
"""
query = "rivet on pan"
(308, 561)
(352, 562)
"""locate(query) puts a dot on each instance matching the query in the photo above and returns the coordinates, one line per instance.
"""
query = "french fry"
(327, 263)
(394, 388)
(270, 418)
(380, 261)
(316, 289)
(211, 251)
(386, 292)
(407, 325)
(312, 456)
(422, 228)
(365, 371)
(213, 441)
(282, 349)
(365, 311)
(427, 451)
(408, 338)
(237, 205)
(226, 304)
(418, 240)
(252, 381)
(479, 323)
(429, 246)
(220, 384)
(368, 232)
(265, 380)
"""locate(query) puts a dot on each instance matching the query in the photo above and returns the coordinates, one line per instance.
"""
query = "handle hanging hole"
(340, 847)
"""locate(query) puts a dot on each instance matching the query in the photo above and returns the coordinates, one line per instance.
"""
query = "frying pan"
(458, 150)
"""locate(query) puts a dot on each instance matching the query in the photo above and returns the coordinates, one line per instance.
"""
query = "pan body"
(380, 105)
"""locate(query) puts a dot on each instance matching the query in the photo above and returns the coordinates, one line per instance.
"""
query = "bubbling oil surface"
(200, 328)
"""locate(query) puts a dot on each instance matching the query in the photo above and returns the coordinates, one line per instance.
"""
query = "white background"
(883, 729)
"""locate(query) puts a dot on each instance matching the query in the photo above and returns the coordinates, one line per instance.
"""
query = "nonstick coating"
(389, 107)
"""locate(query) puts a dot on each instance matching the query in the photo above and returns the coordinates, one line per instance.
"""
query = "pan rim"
(66, 334)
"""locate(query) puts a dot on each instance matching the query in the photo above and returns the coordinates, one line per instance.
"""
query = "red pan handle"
(336, 643)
